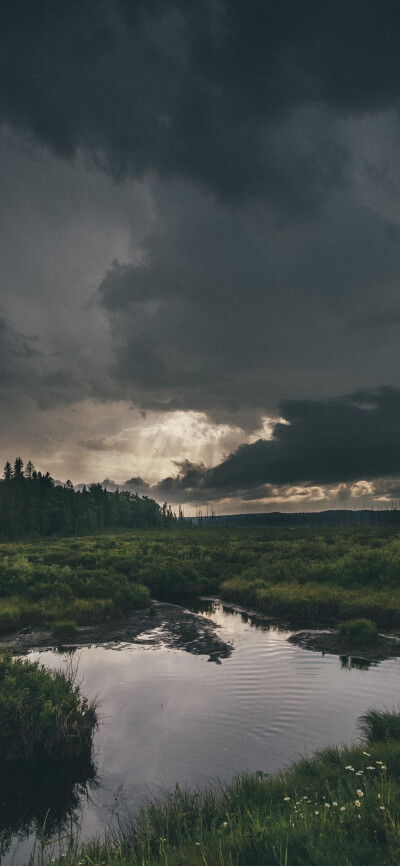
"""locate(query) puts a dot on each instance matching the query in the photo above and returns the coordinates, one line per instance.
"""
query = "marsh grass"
(380, 726)
(363, 631)
(303, 575)
(43, 716)
(341, 806)
(65, 627)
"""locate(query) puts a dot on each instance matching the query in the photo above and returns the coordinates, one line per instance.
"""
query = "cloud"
(198, 91)
(230, 313)
(199, 219)
(346, 440)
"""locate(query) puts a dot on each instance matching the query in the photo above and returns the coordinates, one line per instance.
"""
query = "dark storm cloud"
(198, 90)
(17, 350)
(324, 442)
(230, 313)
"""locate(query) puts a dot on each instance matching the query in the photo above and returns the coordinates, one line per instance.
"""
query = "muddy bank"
(328, 641)
(170, 625)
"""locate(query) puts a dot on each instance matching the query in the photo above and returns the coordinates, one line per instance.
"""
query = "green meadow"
(303, 575)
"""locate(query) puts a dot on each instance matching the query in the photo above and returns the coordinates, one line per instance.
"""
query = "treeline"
(32, 504)
(307, 519)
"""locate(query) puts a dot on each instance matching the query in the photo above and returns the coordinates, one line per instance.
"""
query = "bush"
(360, 630)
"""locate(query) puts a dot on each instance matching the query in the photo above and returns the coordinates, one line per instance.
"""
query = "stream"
(194, 698)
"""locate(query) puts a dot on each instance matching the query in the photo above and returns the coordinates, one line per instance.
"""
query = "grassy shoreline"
(340, 806)
(304, 575)
(44, 719)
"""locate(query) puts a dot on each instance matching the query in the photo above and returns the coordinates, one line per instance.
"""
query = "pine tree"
(7, 474)
(18, 467)
(29, 469)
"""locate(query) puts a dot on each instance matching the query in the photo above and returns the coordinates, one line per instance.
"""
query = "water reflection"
(43, 801)
(347, 663)
(169, 626)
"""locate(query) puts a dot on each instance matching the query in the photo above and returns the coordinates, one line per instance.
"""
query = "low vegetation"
(362, 631)
(330, 575)
(43, 716)
(341, 806)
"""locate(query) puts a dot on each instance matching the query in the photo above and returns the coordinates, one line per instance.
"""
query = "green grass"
(65, 626)
(43, 716)
(340, 807)
(362, 631)
(320, 574)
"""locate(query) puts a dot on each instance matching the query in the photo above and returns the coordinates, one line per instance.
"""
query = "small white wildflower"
(359, 816)
(367, 754)
(370, 768)
(343, 808)
(349, 767)
(378, 762)
(360, 793)
(327, 806)
(358, 804)
(286, 799)
(382, 808)
(334, 803)
(359, 773)
(225, 824)
(383, 767)
(317, 813)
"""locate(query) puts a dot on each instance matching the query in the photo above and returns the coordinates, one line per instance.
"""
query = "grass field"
(325, 574)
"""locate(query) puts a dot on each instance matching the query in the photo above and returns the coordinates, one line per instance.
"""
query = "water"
(171, 715)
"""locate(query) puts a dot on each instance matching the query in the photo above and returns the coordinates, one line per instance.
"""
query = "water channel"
(181, 706)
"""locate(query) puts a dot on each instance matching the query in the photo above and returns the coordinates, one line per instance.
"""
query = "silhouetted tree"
(18, 467)
(7, 474)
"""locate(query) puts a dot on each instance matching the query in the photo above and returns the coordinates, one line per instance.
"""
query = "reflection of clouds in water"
(168, 716)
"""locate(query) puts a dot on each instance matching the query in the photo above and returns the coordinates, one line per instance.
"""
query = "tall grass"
(43, 716)
(361, 630)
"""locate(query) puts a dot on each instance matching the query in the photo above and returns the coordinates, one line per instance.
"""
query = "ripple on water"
(170, 715)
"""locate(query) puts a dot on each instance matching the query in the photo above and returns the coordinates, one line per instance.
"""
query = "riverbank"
(340, 806)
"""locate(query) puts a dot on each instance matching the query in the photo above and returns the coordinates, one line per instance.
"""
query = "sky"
(200, 249)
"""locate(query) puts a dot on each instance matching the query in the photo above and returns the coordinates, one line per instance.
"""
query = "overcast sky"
(200, 248)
